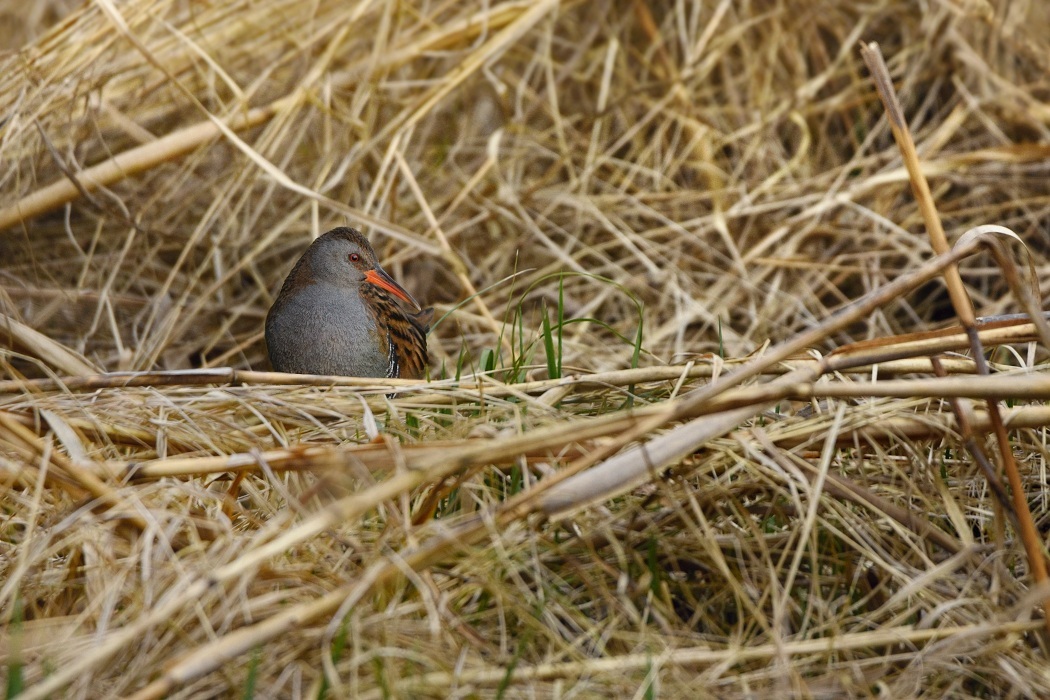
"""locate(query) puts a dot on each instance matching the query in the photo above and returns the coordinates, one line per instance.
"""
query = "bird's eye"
(354, 257)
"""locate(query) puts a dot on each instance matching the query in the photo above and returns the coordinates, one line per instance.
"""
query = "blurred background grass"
(729, 166)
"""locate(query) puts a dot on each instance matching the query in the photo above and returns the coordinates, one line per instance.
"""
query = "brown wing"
(409, 338)
(406, 333)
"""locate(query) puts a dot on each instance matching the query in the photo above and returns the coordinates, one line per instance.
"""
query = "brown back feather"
(406, 332)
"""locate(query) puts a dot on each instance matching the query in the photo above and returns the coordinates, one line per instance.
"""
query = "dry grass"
(727, 509)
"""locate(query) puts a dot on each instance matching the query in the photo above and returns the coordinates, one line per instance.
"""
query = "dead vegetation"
(732, 462)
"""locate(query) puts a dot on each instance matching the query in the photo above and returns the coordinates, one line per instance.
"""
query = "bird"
(340, 313)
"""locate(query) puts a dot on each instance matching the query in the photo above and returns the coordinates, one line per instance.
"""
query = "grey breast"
(323, 329)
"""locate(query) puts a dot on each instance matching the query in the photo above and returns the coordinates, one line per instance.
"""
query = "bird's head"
(343, 257)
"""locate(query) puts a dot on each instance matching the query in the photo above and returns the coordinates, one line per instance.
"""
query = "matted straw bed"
(704, 416)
